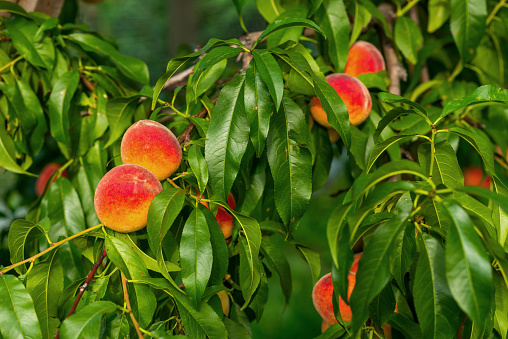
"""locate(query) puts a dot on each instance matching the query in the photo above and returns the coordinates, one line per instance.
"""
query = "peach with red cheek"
(473, 177)
(322, 295)
(364, 57)
(123, 196)
(353, 93)
(153, 146)
(224, 219)
(44, 176)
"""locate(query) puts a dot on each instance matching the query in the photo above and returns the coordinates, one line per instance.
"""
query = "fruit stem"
(126, 296)
(55, 245)
(492, 14)
(432, 151)
(406, 8)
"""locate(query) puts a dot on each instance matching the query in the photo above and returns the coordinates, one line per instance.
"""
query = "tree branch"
(126, 296)
(396, 71)
(83, 287)
(184, 138)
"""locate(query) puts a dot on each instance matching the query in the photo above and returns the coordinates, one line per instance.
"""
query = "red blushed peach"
(364, 57)
(322, 295)
(123, 197)
(473, 177)
(325, 326)
(44, 176)
(153, 146)
(353, 92)
(224, 219)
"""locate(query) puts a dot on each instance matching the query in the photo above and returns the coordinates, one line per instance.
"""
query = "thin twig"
(184, 138)
(126, 296)
(86, 82)
(83, 287)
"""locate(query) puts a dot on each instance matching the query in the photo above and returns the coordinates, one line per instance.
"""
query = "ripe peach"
(44, 176)
(325, 326)
(153, 146)
(123, 196)
(353, 92)
(473, 177)
(364, 57)
(322, 295)
(224, 219)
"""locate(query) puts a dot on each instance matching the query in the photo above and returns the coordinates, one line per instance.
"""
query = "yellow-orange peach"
(322, 295)
(473, 177)
(44, 176)
(123, 196)
(153, 146)
(364, 57)
(353, 92)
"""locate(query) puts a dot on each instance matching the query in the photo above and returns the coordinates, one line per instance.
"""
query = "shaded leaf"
(86, 323)
(270, 73)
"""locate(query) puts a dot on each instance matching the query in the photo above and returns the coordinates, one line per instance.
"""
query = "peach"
(473, 177)
(44, 176)
(224, 219)
(151, 145)
(353, 92)
(123, 196)
(325, 326)
(364, 57)
(322, 295)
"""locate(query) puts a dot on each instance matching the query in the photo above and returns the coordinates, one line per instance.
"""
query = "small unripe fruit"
(364, 57)
(153, 146)
(44, 176)
(353, 92)
(123, 197)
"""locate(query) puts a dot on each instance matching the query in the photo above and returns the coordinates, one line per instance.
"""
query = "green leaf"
(173, 66)
(33, 104)
(10, 7)
(21, 234)
(118, 327)
(373, 271)
(382, 307)
(59, 104)
(404, 252)
(196, 257)
(437, 311)
(286, 34)
(270, 73)
(129, 263)
(486, 93)
(376, 13)
(239, 4)
(269, 9)
(332, 16)
(335, 109)
(390, 98)
(323, 156)
(227, 137)
(468, 269)
(333, 332)
(200, 323)
(219, 247)
(313, 260)
(334, 230)
(62, 206)
(467, 24)
(256, 188)
(480, 143)
(408, 38)
(501, 300)
(290, 161)
(439, 12)
(500, 216)
(392, 115)
(86, 322)
(8, 151)
(129, 66)
(499, 198)
(378, 149)
(17, 310)
(285, 23)
(474, 208)
(45, 284)
(120, 112)
(277, 262)
(257, 107)
(198, 166)
(446, 166)
(249, 260)
(206, 80)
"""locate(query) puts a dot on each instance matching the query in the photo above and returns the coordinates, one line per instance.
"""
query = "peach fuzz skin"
(353, 92)
(322, 295)
(44, 176)
(153, 146)
(364, 57)
(123, 197)
(473, 177)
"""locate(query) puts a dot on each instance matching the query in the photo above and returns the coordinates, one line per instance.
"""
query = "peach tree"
(431, 243)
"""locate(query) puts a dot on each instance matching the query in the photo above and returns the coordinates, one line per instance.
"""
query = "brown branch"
(83, 287)
(184, 138)
(126, 296)
(86, 82)
(396, 71)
